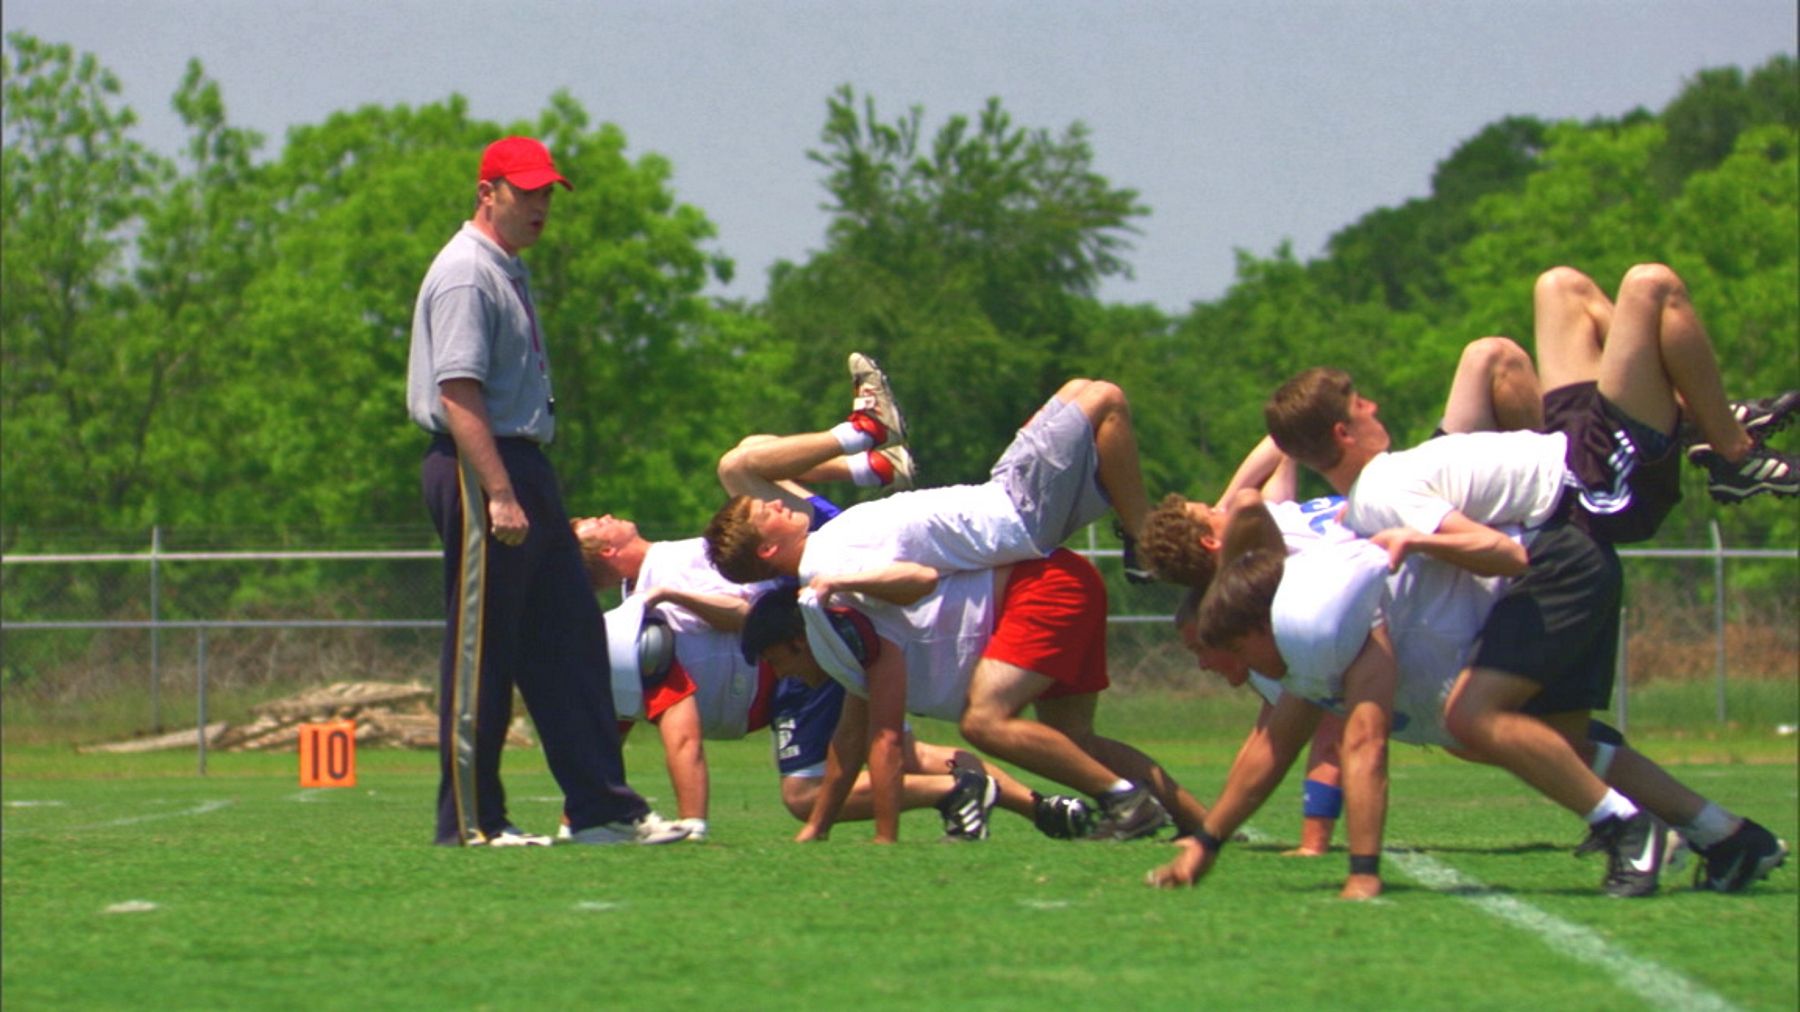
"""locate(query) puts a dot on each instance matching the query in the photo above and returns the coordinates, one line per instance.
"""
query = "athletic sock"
(881, 466)
(1613, 805)
(1710, 826)
(852, 439)
(1119, 787)
(862, 471)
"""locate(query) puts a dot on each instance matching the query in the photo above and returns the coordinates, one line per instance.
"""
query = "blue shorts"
(803, 720)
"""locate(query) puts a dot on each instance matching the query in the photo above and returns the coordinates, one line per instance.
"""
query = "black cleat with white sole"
(1746, 856)
(1634, 853)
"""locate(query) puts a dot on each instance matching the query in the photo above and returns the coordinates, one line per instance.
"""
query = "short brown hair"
(1170, 544)
(732, 541)
(1240, 597)
(1302, 412)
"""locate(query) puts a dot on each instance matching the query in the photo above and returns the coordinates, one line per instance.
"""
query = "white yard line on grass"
(202, 808)
(1654, 983)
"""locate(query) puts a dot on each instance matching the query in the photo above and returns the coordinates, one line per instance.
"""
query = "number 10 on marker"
(328, 754)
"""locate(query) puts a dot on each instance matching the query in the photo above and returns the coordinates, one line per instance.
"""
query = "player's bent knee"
(1565, 282)
(1655, 281)
(1494, 354)
(797, 795)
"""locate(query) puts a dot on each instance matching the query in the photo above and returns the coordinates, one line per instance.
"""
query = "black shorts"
(1630, 473)
(1558, 625)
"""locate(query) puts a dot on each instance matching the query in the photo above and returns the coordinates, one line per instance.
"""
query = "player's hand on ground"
(1361, 887)
(507, 520)
(1189, 866)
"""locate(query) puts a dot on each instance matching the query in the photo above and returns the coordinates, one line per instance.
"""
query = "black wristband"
(1365, 864)
(1208, 840)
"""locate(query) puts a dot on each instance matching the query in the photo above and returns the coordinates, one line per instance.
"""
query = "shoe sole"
(867, 373)
(1776, 420)
(904, 469)
(1731, 495)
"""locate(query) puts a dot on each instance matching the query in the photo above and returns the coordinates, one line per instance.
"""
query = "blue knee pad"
(1321, 801)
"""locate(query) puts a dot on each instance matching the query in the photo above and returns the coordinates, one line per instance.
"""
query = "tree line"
(217, 340)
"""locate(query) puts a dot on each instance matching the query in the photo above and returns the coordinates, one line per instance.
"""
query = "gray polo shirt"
(474, 320)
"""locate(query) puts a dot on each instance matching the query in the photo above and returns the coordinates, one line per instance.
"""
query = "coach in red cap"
(519, 609)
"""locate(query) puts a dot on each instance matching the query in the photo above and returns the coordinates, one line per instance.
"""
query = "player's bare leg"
(998, 693)
(1495, 389)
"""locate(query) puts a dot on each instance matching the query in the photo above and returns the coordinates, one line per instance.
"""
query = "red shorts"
(675, 688)
(1052, 621)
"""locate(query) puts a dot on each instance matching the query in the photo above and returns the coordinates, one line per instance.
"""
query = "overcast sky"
(1240, 124)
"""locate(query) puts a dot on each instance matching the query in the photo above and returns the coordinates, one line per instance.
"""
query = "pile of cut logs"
(386, 714)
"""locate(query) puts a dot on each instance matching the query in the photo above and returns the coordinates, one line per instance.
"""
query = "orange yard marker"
(328, 754)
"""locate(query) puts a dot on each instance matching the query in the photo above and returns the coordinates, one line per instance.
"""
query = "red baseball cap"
(521, 161)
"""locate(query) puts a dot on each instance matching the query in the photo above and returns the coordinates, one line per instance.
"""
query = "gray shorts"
(1051, 473)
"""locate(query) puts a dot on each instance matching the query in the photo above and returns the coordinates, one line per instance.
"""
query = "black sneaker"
(1061, 817)
(1766, 415)
(1760, 418)
(1747, 855)
(1134, 573)
(1761, 470)
(1129, 815)
(965, 809)
(1634, 853)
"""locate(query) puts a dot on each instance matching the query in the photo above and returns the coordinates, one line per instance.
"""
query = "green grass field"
(241, 890)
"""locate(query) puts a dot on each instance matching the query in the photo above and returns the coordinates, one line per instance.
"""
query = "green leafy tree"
(77, 410)
(964, 260)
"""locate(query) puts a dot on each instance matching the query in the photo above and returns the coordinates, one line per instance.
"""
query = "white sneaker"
(648, 830)
(902, 460)
(875, 398)
(513, 836)
(696, 829)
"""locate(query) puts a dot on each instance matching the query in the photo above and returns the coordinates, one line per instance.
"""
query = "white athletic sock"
(1710, 826)
(852, 439)
(860, 471)
(1118, 787)
(1614, 804)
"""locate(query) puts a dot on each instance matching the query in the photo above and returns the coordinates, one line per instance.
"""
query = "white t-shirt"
(941, 637)
(1268, 688)
(1332, 597)
(1313, 522)
(724, 684)
(1492, 478)
(1328, 600)
(950, 529)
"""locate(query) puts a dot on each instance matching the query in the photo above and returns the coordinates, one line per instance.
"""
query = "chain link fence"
(104, 637)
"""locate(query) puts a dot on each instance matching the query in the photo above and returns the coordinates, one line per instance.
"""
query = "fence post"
(200, 693)
(1718, 547)
(1621, 675)
(155, 629)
